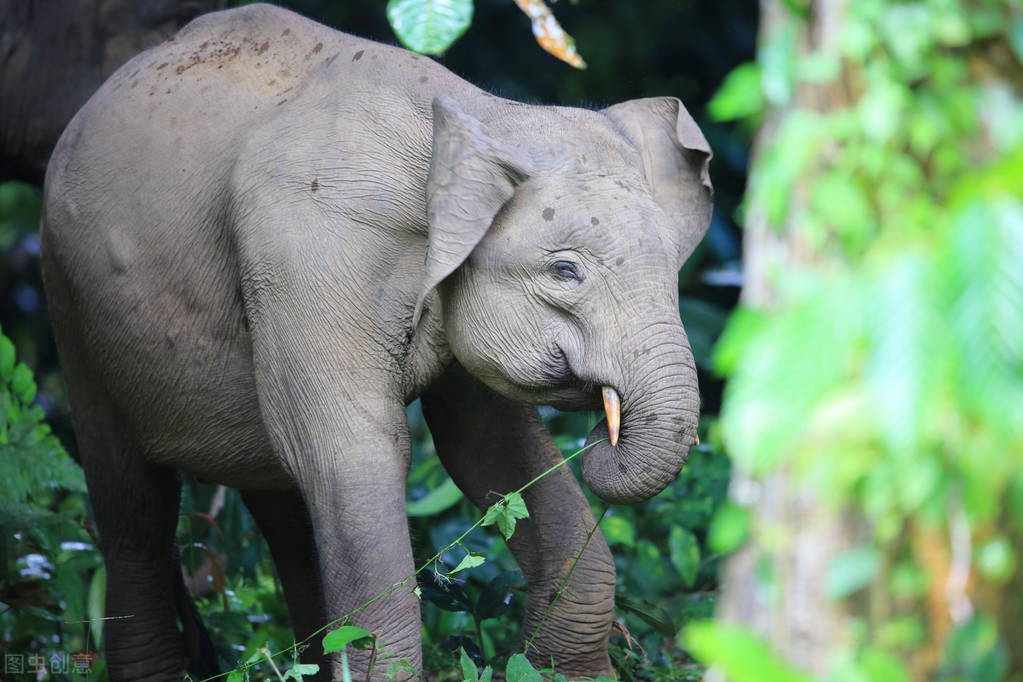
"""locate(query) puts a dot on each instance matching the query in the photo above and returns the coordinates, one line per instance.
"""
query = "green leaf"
(517, 506)
(469, 671)
(492, 600)
(996, 560)
(521, 670)
(429, 26)
(739, 95)
(300, 670)
(777, 59)
(336, 640)
(743, 328)
(685, 554)
(470, 560)
(739, 654)
(505, 513)
(851, 571)
(651, 614)
(975, 652)
(95, 605)
(237, 675)
(22, 384)
(728, 529)
(443, 497)
(6, 358)
(877, 664)
(618, 531)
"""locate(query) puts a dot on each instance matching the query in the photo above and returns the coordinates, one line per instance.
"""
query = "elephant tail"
(202, 657)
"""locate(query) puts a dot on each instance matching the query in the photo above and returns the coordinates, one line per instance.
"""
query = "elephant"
(55, 53)
(265, 238)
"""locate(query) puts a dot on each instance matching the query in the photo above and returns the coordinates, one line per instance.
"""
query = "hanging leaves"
(549, 33)
(432, 26)
(429, 26)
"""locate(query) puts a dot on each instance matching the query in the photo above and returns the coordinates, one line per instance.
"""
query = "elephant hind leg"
(136, 511)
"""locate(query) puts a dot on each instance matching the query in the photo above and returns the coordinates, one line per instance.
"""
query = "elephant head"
(557, 265)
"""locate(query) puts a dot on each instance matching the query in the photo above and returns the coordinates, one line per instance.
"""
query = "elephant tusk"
(697, 440)
(613, 410)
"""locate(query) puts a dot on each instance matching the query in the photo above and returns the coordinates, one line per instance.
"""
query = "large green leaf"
(444, 496)
(336, 640)
(684, 551)
(520, 670)
(738, 653)
(429, 26)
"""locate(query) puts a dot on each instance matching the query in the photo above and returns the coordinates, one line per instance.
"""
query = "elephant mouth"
(561, 387)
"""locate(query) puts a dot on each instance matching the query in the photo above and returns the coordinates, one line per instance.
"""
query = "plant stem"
(270, 660)
(346, 674)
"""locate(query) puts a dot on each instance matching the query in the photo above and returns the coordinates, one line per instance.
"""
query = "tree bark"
(778, 590)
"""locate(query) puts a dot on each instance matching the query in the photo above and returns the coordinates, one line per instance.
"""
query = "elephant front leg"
(354, 487)
(491, 445)
(341, 432)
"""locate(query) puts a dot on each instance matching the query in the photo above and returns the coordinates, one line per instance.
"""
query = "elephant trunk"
(659, 412)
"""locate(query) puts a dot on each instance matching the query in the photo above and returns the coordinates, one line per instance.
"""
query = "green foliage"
(49, 571)
(19, 211)
(975, 652)
(742, 656)
(889, 370)
(32, 461)
(740, 96)
(429, 26)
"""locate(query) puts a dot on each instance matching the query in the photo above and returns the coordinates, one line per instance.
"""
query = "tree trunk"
(777, 584)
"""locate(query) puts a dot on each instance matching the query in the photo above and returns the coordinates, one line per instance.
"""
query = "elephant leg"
(491, 445)
(136, 512)
(283, 519)
(365, 556)
(341, 432)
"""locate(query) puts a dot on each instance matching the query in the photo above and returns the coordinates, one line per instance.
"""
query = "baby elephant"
(263, 238)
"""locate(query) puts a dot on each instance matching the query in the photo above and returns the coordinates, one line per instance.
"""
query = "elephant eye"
(564, 269)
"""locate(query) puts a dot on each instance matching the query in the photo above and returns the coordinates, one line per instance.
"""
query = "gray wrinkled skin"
(55, 53)
(264, 238)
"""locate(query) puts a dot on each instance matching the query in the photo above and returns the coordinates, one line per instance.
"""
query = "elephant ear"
(472, 176)
(676, 160)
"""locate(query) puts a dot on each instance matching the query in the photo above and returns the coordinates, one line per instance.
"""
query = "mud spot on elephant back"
(594, 221)
(263, 47)
(619, 260)
(423, 79)
(317, 47)
(548, 214)
(314, 185)
(358, 55)
(286, 32)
